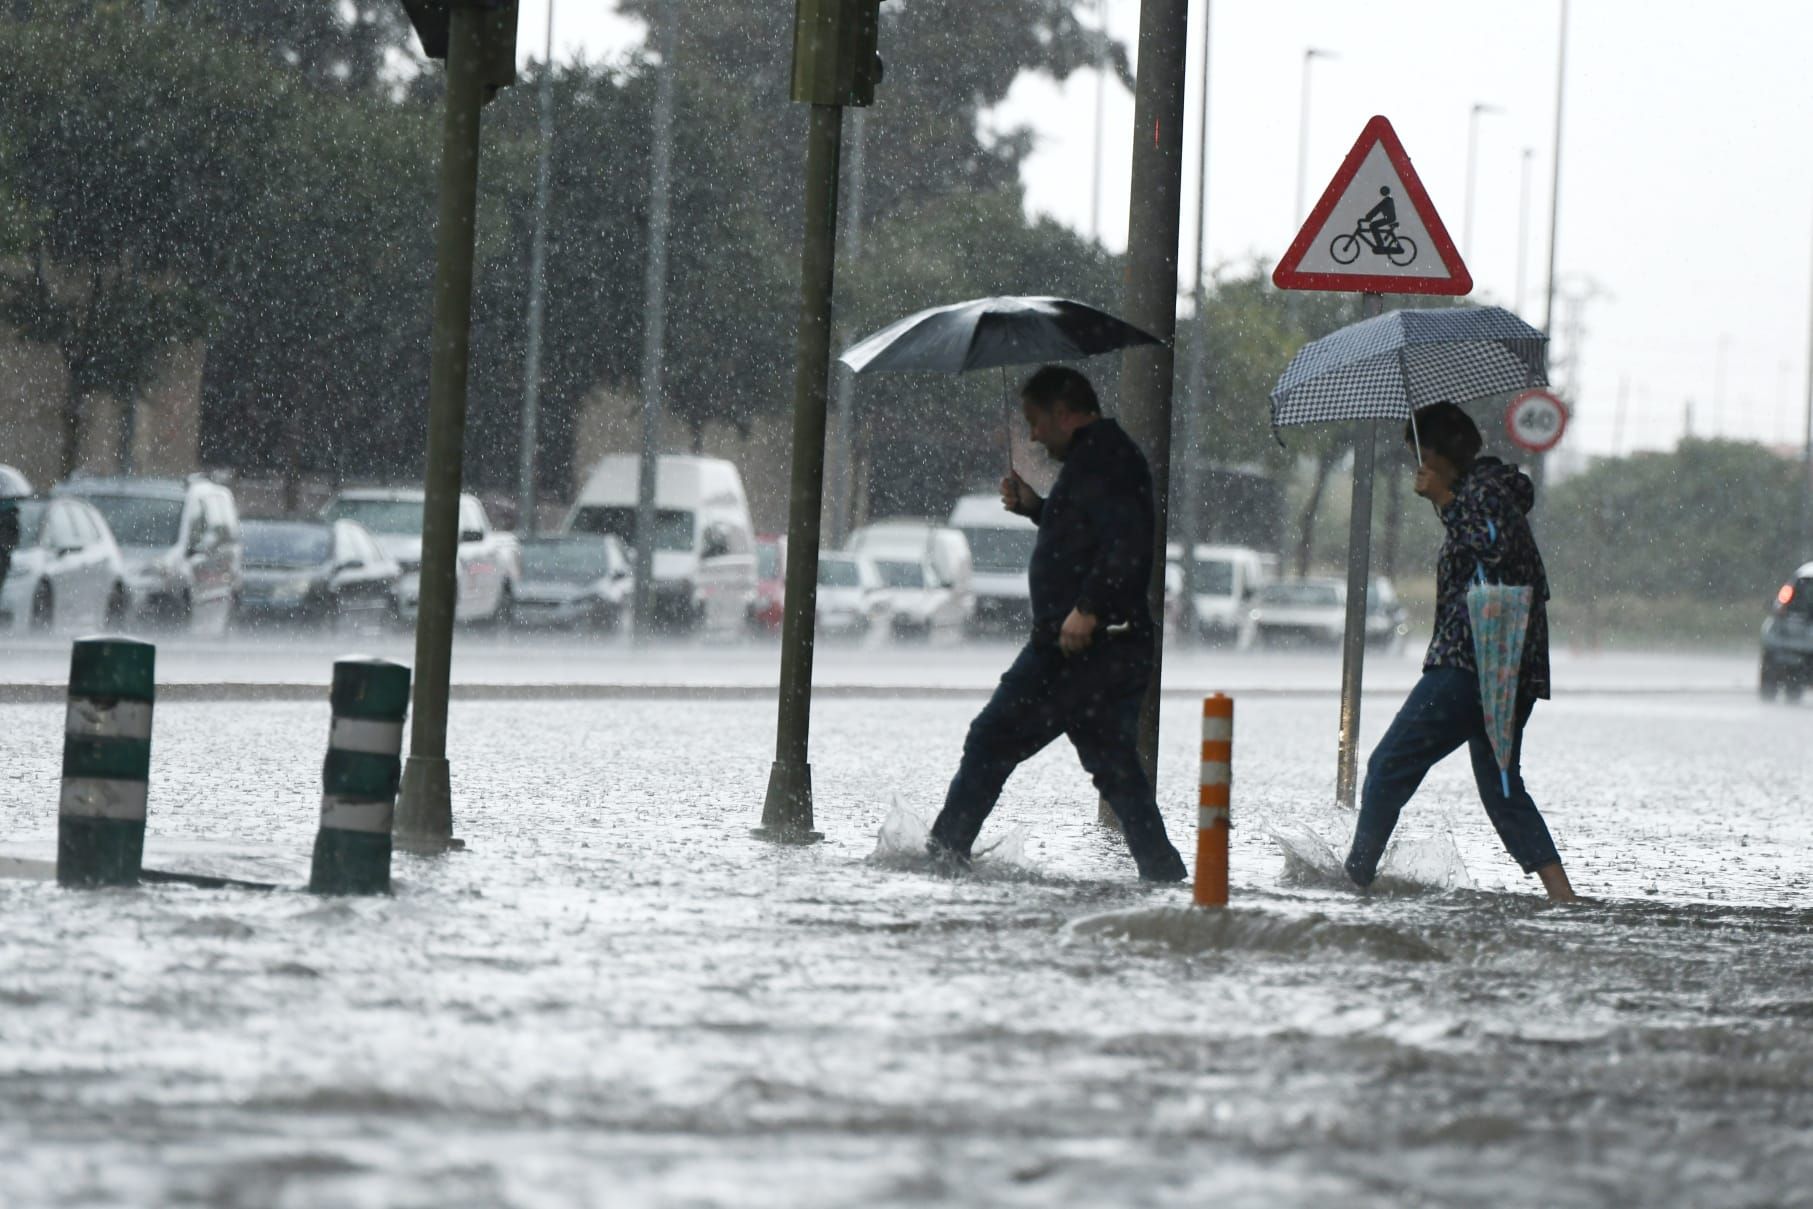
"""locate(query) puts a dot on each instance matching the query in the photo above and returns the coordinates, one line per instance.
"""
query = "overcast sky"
(1687, 171)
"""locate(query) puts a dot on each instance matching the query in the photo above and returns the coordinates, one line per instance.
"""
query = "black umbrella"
(994, 332)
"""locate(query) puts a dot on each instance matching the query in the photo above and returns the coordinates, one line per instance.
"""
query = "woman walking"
(1483, 504)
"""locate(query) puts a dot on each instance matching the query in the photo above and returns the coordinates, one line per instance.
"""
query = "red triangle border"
(1287, 276)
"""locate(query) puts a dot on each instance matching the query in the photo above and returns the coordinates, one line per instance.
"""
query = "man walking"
(1084, 672)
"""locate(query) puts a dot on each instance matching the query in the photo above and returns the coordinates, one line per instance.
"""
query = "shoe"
(1165, 867)
(946, 860)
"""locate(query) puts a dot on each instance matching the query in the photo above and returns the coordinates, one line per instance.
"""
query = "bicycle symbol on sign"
(1376, 231)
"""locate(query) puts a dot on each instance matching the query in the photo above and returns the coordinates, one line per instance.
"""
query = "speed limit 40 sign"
(1536, 419)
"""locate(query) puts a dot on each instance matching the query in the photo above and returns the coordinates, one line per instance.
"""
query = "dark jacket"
(1489, 528)
(1094, 550)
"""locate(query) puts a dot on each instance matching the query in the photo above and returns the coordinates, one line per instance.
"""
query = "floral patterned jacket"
(1489, 528)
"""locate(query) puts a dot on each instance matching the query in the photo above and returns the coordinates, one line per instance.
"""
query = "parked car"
(704, 541)
(1000, 546)
(1787, 665)
(1314, 612)
(1223, 582)
(180, 540)
(490, 562)
(576, 581)
(770, 604)
(850, 602)
(925, 575)
(66, 569)
(330, 574)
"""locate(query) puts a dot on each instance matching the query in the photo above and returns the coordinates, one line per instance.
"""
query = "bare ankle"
(1555, 881)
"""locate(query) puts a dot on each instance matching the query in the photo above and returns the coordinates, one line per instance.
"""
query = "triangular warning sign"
(1374, 230)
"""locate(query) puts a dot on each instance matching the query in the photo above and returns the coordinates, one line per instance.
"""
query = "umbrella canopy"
(987, 332)
(1386, 367)
(1500, 616)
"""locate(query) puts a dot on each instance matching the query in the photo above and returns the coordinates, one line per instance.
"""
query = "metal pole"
(843, 464)
(1196, 376)
(1310, 54)
(1466, 222)
(425, 807)
(1539, 464)
(654, 320)
(1806, 465)
(1523, 226)
(1147, 373)
(1359, 567)
(787, 810)
(538, 276)
(1101, 103)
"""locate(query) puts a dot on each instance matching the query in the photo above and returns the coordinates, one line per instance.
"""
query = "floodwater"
(616, 996)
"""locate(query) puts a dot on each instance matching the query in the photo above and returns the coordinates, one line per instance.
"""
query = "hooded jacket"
(1489, 527)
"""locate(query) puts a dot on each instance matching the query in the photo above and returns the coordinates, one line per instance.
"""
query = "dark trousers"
(1094, 699)
(1441, 713)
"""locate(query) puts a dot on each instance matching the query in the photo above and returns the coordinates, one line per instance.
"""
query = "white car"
(850, 601)
(489, 570)
(1000, 546)
(1314, 612)
(926, 575)
(180, 539)
(66, 571)
(1223, 583)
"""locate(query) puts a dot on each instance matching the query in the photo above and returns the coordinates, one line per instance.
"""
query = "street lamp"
(538, 283)
(1523, 226)
(1310, 54)
(1466, 221)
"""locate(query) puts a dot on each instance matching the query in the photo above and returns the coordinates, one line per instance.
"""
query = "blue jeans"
(1441, 713)
(1092, 697)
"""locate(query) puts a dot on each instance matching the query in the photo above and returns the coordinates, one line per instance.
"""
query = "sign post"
(1374, 232)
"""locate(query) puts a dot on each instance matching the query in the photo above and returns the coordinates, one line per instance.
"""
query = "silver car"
(577, 581)
(66, 572)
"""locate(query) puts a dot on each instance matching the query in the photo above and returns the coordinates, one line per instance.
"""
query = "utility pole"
(843, 465)
(538, 284)
(1539, 463)
(1156, 198)
(654, 319)
(1196, 373)
(834, 64)
(479, 44)
(1310, 55)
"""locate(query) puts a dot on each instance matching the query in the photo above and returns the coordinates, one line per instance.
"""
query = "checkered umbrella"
(1385, 367)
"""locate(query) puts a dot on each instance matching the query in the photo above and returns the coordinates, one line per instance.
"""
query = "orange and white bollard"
(1212, 820)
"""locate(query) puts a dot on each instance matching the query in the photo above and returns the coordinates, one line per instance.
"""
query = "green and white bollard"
(359, 781)
(106, 762)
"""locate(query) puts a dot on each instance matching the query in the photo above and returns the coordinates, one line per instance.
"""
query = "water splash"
(1413, 864)
(900, 844)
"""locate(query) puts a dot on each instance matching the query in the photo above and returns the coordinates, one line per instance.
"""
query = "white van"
(1223, 580)
(705, 572)
(925, 575)
(1000, 547)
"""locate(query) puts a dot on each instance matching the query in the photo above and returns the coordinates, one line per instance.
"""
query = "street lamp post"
(1523, 226)
(1196, 395)
(1310, 54)
(1806, 464)
(1539, 464)
(1466, 220)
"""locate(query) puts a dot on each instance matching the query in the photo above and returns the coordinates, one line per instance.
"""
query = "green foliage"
(1713, 520)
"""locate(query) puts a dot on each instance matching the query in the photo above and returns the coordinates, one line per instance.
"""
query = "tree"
(348, 46)
(131, 155)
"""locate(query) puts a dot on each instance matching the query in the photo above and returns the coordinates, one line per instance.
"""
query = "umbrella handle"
(1007, 420)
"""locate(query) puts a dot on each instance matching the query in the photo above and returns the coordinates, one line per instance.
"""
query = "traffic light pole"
(424, 815)
(787, 811)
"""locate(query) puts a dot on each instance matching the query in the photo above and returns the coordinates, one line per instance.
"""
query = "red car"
(771, 584)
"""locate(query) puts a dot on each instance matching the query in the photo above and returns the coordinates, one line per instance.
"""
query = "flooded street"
(617, 996)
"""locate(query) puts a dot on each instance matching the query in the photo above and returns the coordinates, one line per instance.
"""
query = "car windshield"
(379, 516)
(673, 526)
(1213, 577)
(838, 573)
(1001, 549)
(140, 520)
(566, 561)
(901, 575)
(286, 543)
(31, 515)
(768, 561)
(1301, 595)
